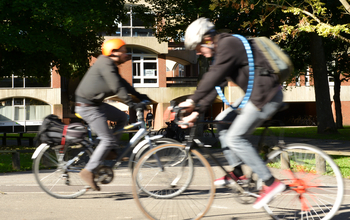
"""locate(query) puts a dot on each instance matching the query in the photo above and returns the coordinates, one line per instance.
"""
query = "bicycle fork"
(183, 163)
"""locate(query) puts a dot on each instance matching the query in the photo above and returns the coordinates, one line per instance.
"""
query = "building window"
(331, 80)
(297, 81)
(181, 70)
(133, 27)
(18, 113)
(144, 67)
(307, 77)
(330, 69)
(14, 81)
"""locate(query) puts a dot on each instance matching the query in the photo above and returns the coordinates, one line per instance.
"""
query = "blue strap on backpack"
(251, 75)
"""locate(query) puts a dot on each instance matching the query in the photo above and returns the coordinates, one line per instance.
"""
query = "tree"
(309, 16)
(318, 20)
(291, 24)
(338, 67)
(37, 35)
(169, 19)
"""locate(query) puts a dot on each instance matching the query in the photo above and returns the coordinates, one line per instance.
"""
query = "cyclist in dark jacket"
(103, 80)
(231, 63)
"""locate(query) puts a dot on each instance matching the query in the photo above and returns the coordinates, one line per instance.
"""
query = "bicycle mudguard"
(139, 146)
(38, 149)
(142, 143)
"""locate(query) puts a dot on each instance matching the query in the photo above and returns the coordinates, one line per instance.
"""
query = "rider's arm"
(230, 56)
(205, 103)
(132, 91)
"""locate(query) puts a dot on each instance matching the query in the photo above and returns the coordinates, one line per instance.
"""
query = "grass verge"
(6, 162)
(308, 132)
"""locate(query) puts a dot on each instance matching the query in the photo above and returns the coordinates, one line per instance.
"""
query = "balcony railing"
(190, 81)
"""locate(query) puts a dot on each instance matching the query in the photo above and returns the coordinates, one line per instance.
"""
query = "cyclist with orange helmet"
(103, 80)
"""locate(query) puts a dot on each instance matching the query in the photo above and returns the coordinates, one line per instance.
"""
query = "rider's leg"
(244, 124)
(120, 119)
(96, 118)
(237, 140)
(114, 114)
(228, 115)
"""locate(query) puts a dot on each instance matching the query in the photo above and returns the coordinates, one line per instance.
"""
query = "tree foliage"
(170, 19)
(302, 24)
(291, 23)
(37, 35)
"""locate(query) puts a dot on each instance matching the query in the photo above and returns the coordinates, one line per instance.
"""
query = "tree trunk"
(337, 103)
(325, 121)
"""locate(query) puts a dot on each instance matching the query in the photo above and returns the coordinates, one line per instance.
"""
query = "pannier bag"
(53, 131)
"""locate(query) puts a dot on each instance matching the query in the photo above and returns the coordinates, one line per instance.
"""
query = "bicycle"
(56, 168)
(311, 193)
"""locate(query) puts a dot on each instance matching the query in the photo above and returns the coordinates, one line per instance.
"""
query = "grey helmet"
(195, 32)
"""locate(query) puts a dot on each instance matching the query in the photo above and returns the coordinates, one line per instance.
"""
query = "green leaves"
(36, 34)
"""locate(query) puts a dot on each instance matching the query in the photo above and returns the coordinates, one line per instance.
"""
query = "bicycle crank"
(104, 175)
(250, 193)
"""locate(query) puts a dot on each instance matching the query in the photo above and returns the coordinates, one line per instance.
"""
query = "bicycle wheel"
(314, 183)
(57, 172)
(154, 188)
(146, 146)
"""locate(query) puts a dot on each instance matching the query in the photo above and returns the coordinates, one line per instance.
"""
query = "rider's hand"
(189, 120)
(140, 105)
(188, 105)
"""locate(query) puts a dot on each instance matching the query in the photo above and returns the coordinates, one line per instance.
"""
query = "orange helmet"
(113, 44)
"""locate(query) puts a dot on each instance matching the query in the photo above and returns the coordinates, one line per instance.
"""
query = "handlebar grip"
(178, 113)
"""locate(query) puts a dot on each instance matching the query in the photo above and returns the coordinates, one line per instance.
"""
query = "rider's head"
(199, 36)
(116, 50)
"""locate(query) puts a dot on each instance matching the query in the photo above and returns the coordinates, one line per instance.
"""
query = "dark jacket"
(231, 63)
(103, 80)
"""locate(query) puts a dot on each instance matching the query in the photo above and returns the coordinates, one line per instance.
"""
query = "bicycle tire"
(57, 180)
(156, 142)
(173, 156)
(312, 193)
(154, 193)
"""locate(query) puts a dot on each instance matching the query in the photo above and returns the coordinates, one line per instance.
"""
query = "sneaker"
(268, 193)
(225, 180)
(89, 177)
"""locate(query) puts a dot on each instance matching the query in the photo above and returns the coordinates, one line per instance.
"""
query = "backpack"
(53, 131)
(278, 59)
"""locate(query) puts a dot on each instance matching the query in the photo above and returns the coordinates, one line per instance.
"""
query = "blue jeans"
(234, 137)
(96, 117)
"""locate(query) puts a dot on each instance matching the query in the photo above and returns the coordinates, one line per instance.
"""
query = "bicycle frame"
(141, 133)
(192, 142)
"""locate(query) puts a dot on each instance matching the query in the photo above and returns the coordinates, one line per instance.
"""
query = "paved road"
(23, 199)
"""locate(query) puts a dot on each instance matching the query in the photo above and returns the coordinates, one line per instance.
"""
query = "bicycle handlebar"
(178, 114)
